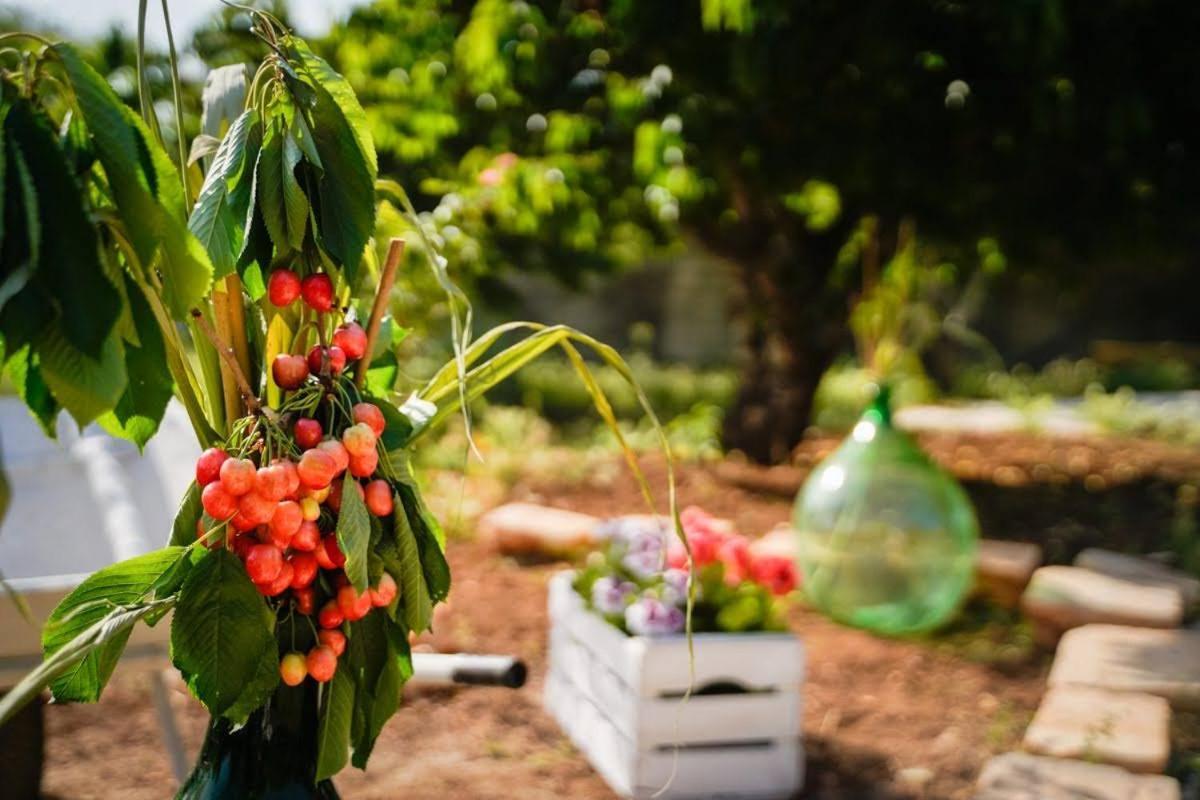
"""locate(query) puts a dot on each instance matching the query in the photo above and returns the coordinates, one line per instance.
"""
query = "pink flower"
(490, 177)
(735, 555)
(776, 573)
(505, 160)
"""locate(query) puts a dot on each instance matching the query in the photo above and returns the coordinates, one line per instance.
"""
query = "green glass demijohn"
(886, 539)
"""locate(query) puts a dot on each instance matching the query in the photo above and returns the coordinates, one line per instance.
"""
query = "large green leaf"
(24, 371)
(418, 606)
(375, 666)
(148, 389)
(339, 89)
(84, 386)
(283, 204)
(124, 584)
(68, 257)
(183, 532)
(222, 635)
(354, 536)
(112, 627)
(214, 221)
(18, 200)
(333, 732)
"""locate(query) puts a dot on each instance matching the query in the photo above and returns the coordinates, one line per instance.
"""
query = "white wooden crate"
(618, 698)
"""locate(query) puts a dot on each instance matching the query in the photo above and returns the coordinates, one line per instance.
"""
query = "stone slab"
(1126, 729)
(530, 529)
(1003, 569)
(1161, 662)
(1060, 598)
(1140, 570)
(1021, 776)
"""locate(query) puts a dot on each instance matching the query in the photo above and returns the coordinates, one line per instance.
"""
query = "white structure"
(620, 700)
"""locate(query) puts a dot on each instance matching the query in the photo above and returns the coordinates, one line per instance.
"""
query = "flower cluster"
(640, 581)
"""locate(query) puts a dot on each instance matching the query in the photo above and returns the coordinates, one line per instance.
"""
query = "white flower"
(651, 617)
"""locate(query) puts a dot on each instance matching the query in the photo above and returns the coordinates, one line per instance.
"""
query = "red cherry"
(385, 593)
(317, 468)
(337, 451)
(317, 290)
(370, 414)
(280, 584)
(289, 371)
(293, 669)
(271, 482)
(322, 556)
(283, 287)
(256, 509)
(264, 563)
(218, 502)
(293, 477)
(363, 466)
(285, 522)
(330, 616)
(333, 639)
(354, 606)
(378, 497)
(304, 569)
(242, 545)
(336, 556)
(308, 432)
(322, 663)
(208, 466)
(352, 339)
(237, 475)
(305, 599)
(359, 439)
(307, 537)
(318, 355)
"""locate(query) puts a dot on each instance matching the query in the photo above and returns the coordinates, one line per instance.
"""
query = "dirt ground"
(882, 718)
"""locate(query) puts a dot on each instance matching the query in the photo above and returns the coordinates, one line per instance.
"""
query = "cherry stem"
(230, 358)
(379, 309)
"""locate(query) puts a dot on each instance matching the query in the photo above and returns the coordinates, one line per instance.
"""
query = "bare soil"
(882, 719)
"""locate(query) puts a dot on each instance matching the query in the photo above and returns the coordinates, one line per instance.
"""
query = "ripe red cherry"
(335, 355)
(293, 477)
(289, 371)
(363, 466)
(271, 482)
(337, 451)
(264, 563)
(208, 466)
(256, 509)
(285, 522)
(335, 554)
(385, 593)
(317, 468)
(280, 584)
(371, 415)
(334, 639)
(283, 287)
(306, 600)
(317, 290)
(237, 475)
(330, 616)
(293, 669)
(354, 606)
(304, 569)
(218, 502)
(308, 432)
(322, 663)
(378, 496)
(359, 439)
(352, 339)
(242, 545)
(307, 538)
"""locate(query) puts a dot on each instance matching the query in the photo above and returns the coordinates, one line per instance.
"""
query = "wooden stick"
(220, 333)
(386, 279)
(237, 321)
(229, 357)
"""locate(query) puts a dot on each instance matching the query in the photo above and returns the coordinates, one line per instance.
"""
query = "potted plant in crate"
(713, 714)
(239, 280)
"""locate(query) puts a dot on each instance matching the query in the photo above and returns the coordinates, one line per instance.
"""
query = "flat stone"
(1021, 776)
(1060, 598)
(1140, 570)
(529, 529)
(1160, 662)
(1003, 569)
(1126, 729)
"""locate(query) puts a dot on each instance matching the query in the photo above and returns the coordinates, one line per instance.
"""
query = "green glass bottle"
(272, 757)
(886, 539)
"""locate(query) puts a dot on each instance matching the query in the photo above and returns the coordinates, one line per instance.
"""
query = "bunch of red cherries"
(271, 515)
(349, 343)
